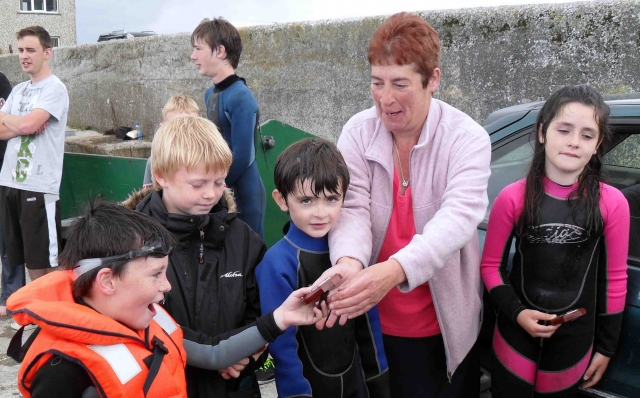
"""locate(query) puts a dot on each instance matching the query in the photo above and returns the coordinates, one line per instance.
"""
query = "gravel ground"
(8, 367)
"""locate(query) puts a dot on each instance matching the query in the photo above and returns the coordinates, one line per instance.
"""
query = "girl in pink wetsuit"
(572, 234)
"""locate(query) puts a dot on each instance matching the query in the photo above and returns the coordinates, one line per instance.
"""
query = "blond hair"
(180, 103)
(186, 142)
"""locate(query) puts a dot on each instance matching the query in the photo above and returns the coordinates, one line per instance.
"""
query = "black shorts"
(418, 369)
(31, 225)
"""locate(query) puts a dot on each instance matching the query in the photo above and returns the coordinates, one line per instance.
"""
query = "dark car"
(511, 135)
(122, 34)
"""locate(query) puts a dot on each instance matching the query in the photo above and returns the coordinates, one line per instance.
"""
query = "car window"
(622, 163)
(622, 168)
(625, 153)
(509, 164)
(633, 197)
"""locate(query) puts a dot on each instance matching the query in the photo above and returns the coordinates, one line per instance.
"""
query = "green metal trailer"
(85, 176)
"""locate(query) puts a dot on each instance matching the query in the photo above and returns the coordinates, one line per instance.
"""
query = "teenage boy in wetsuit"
(232, 107)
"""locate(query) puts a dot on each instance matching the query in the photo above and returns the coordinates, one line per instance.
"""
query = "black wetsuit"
(559, 266)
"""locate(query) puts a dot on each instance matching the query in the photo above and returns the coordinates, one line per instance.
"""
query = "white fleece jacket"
(449, 170)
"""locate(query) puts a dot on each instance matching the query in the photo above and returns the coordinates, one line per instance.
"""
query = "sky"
(95, 17)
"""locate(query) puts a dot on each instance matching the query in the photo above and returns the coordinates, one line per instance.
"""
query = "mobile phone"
(568, 316)
(324, 287)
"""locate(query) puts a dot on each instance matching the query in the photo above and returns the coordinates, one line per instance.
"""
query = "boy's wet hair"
(187, 142)
(220, 32)
(39, 32)
(180, 103)
(107, 229)
(316, 160)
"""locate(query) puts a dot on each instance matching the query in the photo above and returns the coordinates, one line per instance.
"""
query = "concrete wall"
(315, 75)
(61, 24)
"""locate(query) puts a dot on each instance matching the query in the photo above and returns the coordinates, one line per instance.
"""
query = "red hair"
(404, 39)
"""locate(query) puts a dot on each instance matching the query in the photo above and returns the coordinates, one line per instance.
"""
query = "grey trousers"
(12, 278)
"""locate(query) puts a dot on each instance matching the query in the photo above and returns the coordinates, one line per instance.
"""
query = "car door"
(622, 168)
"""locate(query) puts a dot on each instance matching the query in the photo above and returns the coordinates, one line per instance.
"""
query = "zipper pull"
(201, 259)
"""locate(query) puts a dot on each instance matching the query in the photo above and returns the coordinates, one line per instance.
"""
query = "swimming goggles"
(157, 249)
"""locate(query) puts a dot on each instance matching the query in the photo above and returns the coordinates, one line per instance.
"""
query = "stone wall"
(315, 76)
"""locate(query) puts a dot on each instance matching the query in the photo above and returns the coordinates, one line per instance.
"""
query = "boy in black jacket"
(214, 296)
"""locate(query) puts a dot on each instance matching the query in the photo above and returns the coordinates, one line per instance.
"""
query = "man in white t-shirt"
(33, 119)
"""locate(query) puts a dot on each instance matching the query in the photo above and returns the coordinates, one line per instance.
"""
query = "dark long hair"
(587, 193)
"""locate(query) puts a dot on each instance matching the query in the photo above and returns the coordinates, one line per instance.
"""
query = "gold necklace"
(405, 183)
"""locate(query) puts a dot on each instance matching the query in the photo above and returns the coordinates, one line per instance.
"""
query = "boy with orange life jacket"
(101, 332)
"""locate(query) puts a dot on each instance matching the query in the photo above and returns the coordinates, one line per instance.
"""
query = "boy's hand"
(257, 354)
(528, 319)
(234, 370)
(294, 311)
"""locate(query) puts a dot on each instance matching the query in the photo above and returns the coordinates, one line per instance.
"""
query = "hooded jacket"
(120, 362)
(214, 296)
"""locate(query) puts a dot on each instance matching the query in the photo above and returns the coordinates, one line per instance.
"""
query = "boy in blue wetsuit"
(344, 361)
(232, 107)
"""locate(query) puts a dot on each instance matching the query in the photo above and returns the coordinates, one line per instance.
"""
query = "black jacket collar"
(187, 227)
(227, 82)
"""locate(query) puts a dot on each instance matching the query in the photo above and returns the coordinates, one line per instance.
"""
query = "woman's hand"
(294, 311)
(347, 267)
(365, 289)
(528, 319)
(595, 370)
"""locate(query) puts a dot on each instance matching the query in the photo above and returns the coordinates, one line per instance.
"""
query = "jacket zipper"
(201, 252)
(444, 339)
(433, 298)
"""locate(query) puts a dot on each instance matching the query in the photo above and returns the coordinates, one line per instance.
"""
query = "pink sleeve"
(502, 220)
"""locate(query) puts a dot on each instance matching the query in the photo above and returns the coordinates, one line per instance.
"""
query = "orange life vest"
(112, 354)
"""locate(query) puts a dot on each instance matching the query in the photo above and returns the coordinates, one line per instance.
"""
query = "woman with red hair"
(406, 239)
